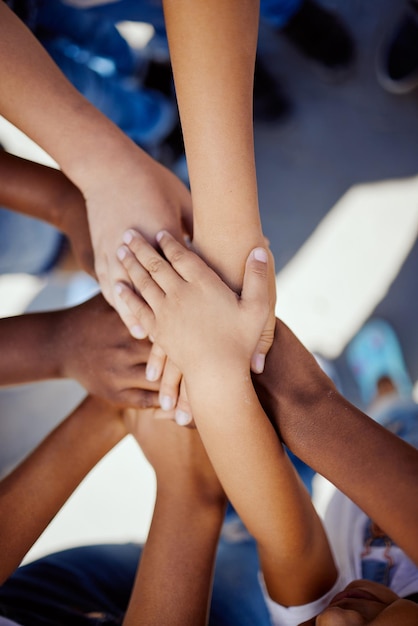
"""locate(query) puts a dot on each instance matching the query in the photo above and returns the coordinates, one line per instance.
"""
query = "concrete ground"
(338, 187)
(347, 143)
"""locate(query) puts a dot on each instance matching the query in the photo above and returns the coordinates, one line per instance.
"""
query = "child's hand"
(141, 194)
(96, 349)
(195, 318)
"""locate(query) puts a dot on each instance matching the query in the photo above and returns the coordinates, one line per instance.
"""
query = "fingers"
(255, 293)
(139, 398)
(183, 415)
(156, 363)
(187, 264)
(107, 275)
(169, 387)
(266, 340)
(255, 287)
(128, 306)
(173, 396)
(140, 265)
(135, 312)
(147, 268)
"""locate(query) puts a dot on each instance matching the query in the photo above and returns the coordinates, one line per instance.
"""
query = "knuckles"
(154, 265)
(177, 256)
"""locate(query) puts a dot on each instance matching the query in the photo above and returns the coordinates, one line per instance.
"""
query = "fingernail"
(259, 363)
(166, 403)
(121, 253)
(118, 288)
(160, 235)
(138, 332)
(151, 373)
(182, 418)
(260, 255)
(127, 237)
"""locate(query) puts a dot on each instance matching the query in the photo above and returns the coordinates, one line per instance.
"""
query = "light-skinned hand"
(97, 350)
(186, 307)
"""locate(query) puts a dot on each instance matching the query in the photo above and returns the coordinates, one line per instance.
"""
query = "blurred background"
(337, 165)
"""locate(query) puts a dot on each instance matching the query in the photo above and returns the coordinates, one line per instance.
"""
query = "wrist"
(293, 388)
(100, 144)
(62, 343)
(97, 420)
(66, 206)
(214, 373)
(187, 494)
(45, 327)
(214, 245)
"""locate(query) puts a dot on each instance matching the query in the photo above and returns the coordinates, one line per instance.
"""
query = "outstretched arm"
(213, 47)
(35, 491)
(121, 185)
(88, 343)
(46, 194)
(373, 467)
(210, 334)
(174, 580)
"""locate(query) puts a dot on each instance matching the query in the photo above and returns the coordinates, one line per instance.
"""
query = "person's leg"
(237, 598)
(91, 585)
(93, 34)
(374, 354)
(146, 116)
(378, 366)
(78, 587)
(97, 60)
(148, 11)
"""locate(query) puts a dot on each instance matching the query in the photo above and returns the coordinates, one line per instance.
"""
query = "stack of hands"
(188, 355)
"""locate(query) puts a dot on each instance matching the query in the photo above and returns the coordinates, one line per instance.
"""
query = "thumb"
(256, 296)
(259, 356)
(259, 290)
(255, 287)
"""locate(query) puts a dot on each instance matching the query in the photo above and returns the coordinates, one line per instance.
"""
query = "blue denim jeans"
(148, 11)
(91, 585)
(97, 60)
(276, 12)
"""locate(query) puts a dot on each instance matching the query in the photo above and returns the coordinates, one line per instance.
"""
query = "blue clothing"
(27, 245)
(98, 61)
(91, 585)
(277, 13)
(399, 415)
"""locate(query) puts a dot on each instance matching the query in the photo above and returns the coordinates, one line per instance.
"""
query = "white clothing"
(295, 615)
(345, 525)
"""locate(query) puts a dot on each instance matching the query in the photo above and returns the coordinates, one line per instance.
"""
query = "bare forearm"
(29, 352)
(174, 580)
(36, 190)
(212, 49)
(41, 102)
(264, 488)
(32, 494)
(370, 465)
